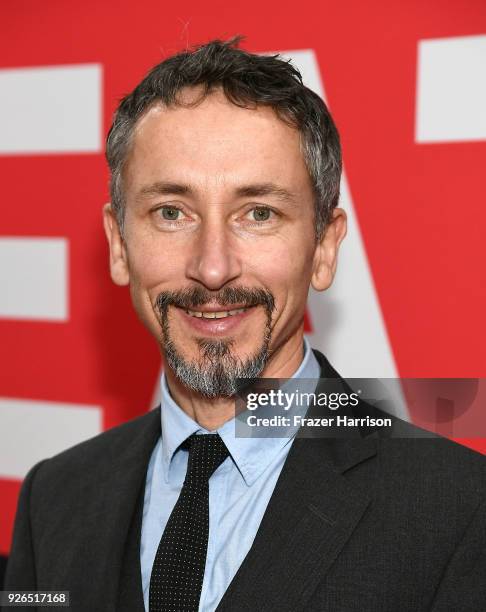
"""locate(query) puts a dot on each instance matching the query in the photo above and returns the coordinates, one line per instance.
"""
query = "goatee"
(218, 372)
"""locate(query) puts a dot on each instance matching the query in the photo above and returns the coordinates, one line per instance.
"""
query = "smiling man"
(216, 234)
(225, 183)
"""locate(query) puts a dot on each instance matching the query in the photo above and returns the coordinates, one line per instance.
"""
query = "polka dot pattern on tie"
(178, 570)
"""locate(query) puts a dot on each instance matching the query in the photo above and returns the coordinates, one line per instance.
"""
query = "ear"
(118, 253)
(325, 256)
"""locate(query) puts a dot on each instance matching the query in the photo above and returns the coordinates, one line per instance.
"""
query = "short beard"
(218, 373)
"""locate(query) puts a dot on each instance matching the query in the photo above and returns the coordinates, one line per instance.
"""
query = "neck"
(213, 413)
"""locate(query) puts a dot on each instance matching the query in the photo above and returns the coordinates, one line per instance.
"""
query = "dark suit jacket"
(366, 524)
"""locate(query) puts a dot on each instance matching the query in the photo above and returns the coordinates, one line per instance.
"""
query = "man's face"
(219, 239)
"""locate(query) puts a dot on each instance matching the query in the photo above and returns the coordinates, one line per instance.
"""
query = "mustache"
(228, 296)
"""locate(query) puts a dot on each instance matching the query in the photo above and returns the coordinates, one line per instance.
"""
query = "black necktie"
(178, 570)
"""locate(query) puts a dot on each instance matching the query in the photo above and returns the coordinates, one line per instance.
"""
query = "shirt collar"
(252, 456)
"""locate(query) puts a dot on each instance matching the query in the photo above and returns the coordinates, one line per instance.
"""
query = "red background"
(420, 207)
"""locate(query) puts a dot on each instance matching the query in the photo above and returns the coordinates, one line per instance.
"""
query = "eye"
(170, 213)
(261, 213)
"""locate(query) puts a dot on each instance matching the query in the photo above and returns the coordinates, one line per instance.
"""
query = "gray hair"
(247, 80)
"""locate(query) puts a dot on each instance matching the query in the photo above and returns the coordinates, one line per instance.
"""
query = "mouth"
(213, 320)
(218, 314)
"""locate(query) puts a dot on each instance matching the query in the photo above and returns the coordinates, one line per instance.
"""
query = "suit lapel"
(130, 589)
(113, 517)
(311, 515)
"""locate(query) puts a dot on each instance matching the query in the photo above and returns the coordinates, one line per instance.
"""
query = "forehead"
(214, 141)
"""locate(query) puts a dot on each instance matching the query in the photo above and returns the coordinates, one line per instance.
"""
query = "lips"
(213, 321)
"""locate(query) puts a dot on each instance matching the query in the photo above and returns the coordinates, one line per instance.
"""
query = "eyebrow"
(265, 189)
(163, 188)
(246, 191)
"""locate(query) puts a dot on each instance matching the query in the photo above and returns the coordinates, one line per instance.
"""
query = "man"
(225, 180)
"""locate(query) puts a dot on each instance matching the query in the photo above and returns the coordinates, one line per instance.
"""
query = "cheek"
(286, 271)
(152, 268)
(152, 263)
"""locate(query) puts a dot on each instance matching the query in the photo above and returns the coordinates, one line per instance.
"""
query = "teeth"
(237, 311)
(215, 315)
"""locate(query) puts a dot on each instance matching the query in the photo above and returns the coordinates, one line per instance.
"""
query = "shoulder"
(409, 445)
(101, 453)
(431, 477)
(427, 450)
(416, 456)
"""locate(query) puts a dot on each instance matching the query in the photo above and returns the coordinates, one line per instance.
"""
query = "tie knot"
(206, 453)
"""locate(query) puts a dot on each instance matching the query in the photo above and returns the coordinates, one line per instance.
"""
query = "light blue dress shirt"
(239, 491)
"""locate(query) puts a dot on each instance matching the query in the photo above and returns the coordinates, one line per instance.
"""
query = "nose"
(213, 261)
